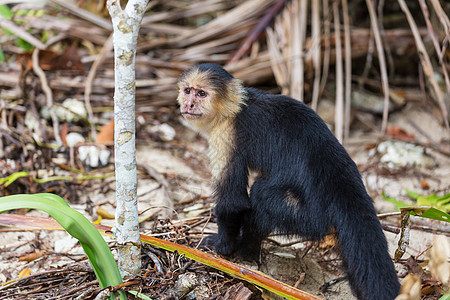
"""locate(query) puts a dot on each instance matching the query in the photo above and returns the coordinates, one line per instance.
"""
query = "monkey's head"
(207, 94)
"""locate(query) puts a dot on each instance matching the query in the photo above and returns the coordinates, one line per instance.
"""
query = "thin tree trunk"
(126, 24)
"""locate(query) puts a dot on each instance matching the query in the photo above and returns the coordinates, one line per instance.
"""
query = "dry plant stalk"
(339, 108)
(108, 47)
(316, 51)
(442, 16)
(303, 25)
(279, 50)
(277, 61)
(426, 62)
(434, 38)
(220, 25)
(257, 30)
(48, 95)
(296, 59)
(326, 55)
(382, 62)
(348, 70)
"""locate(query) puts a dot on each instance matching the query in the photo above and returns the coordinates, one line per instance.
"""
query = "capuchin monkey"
(307, 184)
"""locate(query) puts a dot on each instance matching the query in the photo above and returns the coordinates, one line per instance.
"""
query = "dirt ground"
(175, 184)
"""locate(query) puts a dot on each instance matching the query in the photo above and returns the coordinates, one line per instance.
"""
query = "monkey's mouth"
(191, 116)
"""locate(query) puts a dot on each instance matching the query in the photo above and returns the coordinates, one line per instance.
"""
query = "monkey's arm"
(233, 204)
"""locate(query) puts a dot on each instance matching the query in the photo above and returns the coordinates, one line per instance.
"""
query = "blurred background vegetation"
(310, 50)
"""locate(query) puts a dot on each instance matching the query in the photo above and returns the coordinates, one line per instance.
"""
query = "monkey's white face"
(205, 100)
(195, 105)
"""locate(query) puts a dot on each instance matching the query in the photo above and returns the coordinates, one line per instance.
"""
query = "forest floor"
(175, 204)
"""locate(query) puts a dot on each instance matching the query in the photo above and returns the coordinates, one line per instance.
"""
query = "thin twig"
(277, 62)
(326, 54)
(48, 94)
(435, 40)
(339, 109)
(84, 14)
(426, 62)
(348, 70)
(19, 32)
(369, 58)
(316, 50)
(296, 79)
(386, 47)
(271, 13)
(442, 17)
(303, 25)
(107, 48)
(382, 63)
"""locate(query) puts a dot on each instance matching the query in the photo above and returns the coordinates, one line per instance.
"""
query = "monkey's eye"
(201, 93)
(187, 90)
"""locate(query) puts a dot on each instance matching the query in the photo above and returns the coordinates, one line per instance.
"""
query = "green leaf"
(432, 200)
(24, 44)
(399, 204)
(445, 297)
(2, 56)
(444, 199)
(6, 12)
(425, 201)
(140, 295)
(40, 13)
(78, 226)
(429, 213)
(13, 177)
(22, 12)
(412, 194)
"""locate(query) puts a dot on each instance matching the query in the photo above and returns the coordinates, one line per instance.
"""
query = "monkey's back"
(277, 131)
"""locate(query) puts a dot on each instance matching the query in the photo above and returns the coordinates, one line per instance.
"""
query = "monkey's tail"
(365, 253)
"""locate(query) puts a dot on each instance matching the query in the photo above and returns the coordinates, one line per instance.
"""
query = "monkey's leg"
(251, 239)
(225, 242)
(233, 204)
(262, 219)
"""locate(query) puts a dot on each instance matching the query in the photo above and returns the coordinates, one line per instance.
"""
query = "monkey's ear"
(236, 92)
(230, 104)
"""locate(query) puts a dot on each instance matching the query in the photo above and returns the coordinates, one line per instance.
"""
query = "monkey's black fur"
(308, 186)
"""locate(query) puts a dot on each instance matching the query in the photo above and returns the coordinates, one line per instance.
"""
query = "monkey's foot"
(253, 255)
(216, 243)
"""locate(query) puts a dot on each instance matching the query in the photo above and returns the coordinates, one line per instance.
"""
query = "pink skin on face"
(192, 97)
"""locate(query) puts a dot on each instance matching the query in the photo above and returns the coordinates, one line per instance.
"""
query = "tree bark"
(126, 24)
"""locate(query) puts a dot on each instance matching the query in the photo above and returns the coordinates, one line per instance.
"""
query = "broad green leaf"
(429, 213)
(78, 226)
(6, 12)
